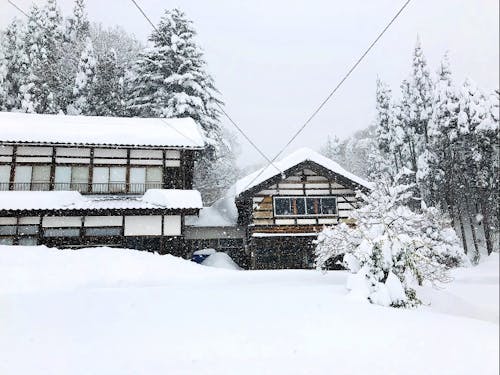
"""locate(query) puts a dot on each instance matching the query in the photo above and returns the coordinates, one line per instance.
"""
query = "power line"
(270, 162)
(345, 77)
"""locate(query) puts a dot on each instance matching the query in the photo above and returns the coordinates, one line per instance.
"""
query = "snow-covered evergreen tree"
(84, 82)
(106, 94)
(43, 39)
(17, 62)
(331, 149)
(391, 249)
(420, 93)
(170, 80)
(77, 29)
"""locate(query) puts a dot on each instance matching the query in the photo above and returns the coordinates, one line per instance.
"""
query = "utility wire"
(341, 82)
(271, 162)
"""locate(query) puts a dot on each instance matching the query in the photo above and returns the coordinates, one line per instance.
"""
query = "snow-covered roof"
(222, 213)
(72, 200)
(122, 131)
(296, 157)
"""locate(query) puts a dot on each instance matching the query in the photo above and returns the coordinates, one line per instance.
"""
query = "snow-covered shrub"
(391, 248)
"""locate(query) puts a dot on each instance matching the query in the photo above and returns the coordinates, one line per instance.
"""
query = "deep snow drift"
(114, 311)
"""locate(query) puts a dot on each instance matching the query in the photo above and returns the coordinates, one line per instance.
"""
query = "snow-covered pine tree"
(4, 69)
(390, 135)
(170, 80)
(75, 34)
(77, 29)
(420, 93)
(84, 82)
(436, 163)
(106, 92)
(391, 249)
(17, 62)
(43, 39)
(472, 113)
(331, 148)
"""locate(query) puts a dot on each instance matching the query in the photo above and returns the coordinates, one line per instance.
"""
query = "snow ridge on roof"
(297, 157)
(73, 200)
(125, 131)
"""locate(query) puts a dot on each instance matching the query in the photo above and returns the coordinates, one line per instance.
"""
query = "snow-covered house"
(270, 218)
(73, 181)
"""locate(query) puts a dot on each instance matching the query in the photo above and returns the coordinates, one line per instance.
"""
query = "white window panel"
(142, 225)
(8, 159)
(29, 220)
(110, 161)
(172, 225)
(61, 221)
(172, 163)
(4, 173)
(41, 173)
(103, 221)
(33, 159)
(6, 150)
(117, 174)
(154, 175)
(285, 221)
(151, 154)
(80, 175)
(173, 154)
(327, 221)
(23, 174)
(101, 175)
(73, 160)
(146, 162)
(73, 151)
(306, 221)
(8, 220)
(137, 175)
(62, 178)
(34, 151)
(110, 153)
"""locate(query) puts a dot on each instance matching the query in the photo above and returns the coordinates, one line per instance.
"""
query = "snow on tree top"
(73, 200)
(297, 157)
(125, 131)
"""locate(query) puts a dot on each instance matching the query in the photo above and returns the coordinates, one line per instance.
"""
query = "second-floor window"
(305, 206)
(32, 177)
(72, 178)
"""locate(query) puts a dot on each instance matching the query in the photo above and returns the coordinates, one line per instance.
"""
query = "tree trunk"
(486, 221)
(462, 229)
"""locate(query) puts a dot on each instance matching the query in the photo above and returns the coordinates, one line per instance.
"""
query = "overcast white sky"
(274, 61)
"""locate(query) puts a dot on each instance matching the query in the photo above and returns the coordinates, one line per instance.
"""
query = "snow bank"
(175, 132)
(220, 260)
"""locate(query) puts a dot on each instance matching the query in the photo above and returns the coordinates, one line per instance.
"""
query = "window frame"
(306, 214)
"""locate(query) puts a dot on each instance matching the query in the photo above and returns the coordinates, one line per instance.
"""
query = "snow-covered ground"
(113, 311)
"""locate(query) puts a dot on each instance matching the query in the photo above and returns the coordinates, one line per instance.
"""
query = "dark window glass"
(27, 229)
(6, 240)
(298, 206)
(28, 241)
(7, 229)
(328, 206)
(62, 232)
(313, 206)
(282, 206)
(103, 231)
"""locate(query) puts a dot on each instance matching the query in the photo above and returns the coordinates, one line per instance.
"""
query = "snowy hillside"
(113, 311)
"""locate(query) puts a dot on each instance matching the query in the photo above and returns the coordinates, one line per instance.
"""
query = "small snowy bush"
(391, 249)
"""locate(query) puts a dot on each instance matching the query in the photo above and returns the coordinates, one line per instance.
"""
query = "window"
(12, 234)
(109, 179)
(143, 178)
(305, 206)
(110, 231)
(72, 178)
(4, 177)
(28, 177)
(62, 232)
